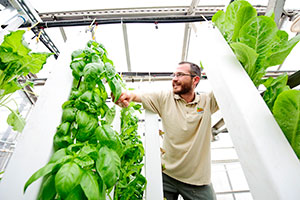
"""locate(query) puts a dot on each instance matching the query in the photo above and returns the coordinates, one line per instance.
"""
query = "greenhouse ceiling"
(139, 47)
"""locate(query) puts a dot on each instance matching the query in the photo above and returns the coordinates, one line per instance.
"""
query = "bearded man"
(186, 120)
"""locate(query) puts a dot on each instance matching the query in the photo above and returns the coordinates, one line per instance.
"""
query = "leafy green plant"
(16, 60)
(87, 163)
(132, 183)
(258, 44)
(256, 40)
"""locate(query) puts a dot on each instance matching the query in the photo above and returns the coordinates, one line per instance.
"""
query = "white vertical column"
(271, 167)
(34, 146)
(153, 161)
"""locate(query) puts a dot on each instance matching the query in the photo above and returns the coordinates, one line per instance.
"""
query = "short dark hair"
(194, 69)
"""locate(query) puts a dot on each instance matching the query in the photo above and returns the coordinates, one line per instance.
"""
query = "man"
(186, 119)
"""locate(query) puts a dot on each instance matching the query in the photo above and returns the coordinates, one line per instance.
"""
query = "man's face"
(182, 81)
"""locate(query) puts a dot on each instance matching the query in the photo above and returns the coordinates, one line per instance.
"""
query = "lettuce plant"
(258, 45)
(89, 157)
(16, 60)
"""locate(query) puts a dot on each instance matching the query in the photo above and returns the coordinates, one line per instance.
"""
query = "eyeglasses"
(181, 75)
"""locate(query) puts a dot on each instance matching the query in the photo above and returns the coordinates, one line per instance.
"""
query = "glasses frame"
(178, 75)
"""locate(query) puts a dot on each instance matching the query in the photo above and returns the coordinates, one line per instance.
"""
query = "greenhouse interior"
(100, 99)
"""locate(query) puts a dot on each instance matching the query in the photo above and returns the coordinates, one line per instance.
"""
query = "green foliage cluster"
(131, 183)
(89, 154)
(258, 44)
(16, 60)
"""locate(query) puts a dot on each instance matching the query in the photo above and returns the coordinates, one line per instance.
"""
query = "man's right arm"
(126, 98)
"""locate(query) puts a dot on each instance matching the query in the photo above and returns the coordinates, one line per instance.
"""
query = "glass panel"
(156, 50)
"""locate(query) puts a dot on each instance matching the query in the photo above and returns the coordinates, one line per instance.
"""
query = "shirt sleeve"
(153, 101)
(213, 103)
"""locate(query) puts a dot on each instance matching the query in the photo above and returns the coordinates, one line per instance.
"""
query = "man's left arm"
(213, 103)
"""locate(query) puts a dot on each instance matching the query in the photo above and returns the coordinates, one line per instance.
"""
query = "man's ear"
(196, 80)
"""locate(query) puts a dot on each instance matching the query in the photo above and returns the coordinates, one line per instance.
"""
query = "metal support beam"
(63, 34)
(175, 14)
(186, 41)
(25, 7)
(276, 6)
(187, 30)
(294, 79)
(126, 45)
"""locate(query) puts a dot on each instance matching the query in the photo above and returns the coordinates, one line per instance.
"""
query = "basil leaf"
(76, 194)
(108, 166)
(78, 54)
(41, 172)
(63, 129)
(58, 155)
(84, 161)
(67, 178)
(77, 67)
(68, 114)
(90, 186)
(47, 191)
(110, 115)
(107, 136)
(115, 88)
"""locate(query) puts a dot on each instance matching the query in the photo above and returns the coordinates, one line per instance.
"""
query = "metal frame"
(276, 6)
(25, 7)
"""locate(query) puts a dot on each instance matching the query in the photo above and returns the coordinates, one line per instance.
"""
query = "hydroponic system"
(74, 142)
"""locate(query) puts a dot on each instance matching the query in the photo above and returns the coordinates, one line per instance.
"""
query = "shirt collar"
(195, 101)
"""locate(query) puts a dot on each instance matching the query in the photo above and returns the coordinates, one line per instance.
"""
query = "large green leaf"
(92, 70)
(235, 17)
(77, 67)
(110, 115)
(7, 55)
(76, 194)
(258, 33)
(90, 186)
(108, 137)
(247, 56)
(47, 191)
(245, 13)
(274, 88)
(115, 88)
(36, 61)
(108, 166)
(282, 49)
(58, 155)
(67, 178)
(41, 172)
(14, 41)
(286, 111)
(15, 120)
(219, 20)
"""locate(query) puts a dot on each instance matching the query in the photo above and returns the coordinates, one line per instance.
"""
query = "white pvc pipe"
(7, 14)
(154, 189)
(13, 25)
(270, 165)
(34, 147)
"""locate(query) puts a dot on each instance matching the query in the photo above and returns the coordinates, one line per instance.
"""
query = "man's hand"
(126, 98)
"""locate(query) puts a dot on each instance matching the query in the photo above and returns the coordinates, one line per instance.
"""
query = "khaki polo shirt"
(187, 137)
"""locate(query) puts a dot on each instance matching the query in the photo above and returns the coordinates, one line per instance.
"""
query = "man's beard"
(185, 88)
